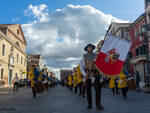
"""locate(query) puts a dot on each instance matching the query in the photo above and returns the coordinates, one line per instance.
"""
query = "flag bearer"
(87, 67)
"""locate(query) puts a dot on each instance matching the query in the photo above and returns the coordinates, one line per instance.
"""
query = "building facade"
(35, 60)
(12, 53)
(65, 73)
(137, 53)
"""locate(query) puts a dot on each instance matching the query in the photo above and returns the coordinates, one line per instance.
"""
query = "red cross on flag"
(112, 55)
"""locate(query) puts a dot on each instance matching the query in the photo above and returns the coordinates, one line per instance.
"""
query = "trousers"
(97, 87)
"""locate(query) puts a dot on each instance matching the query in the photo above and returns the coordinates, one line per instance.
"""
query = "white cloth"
(83, 79)
(16, 79)
(121, 45)
(45, 81)
(82, 66)
(92, 79)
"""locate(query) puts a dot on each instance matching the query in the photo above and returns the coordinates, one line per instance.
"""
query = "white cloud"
(61, 35)
(40, 12)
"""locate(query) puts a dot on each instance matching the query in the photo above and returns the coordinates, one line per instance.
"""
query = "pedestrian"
(88, 69)
(137, 79)
(112, 84)
(16, 82)
(122, 84)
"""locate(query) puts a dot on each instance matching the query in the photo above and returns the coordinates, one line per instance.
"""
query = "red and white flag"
(112, 55)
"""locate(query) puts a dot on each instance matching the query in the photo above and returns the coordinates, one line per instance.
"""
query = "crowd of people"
(86, 75)
(40, 81)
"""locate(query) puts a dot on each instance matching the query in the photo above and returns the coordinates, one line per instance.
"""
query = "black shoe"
(89, 107)
(99, 107)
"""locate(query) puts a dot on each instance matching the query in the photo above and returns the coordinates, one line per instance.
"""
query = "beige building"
(35, 60)
(118, 29)
(12, 53)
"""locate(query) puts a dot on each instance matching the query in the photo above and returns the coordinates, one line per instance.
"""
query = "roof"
(10, 41)
(4, 27)
(136, 21)
(38, 56)
(118, 28)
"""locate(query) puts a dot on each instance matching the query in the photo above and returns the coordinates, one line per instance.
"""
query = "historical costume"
(70, 82)
(88, 69)
(36, 83)
(113, 85)
(75, 82)
(32, 80)
(79, 81)
(122, 84)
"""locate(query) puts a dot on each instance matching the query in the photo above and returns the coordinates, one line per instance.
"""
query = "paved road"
(61, 100)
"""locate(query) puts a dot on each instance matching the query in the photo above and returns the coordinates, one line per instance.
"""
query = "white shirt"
(16, 79)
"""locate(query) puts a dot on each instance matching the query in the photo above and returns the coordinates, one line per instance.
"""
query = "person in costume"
(113, 85)
(79, 80)
(70, 82)
(88, 69)
(122, 84)
(32, 80)
(75, 82)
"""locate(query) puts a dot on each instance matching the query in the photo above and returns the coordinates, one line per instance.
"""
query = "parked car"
(23, 82)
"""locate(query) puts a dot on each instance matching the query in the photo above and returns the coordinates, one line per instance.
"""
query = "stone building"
(12, 53)
(35, 60)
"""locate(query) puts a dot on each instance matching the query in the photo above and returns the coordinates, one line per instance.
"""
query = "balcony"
(138, 58)
(11, 61)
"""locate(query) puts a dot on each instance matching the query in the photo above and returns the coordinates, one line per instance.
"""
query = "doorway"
(10, 77)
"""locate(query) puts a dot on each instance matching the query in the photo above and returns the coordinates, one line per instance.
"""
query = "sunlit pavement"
(61, 100)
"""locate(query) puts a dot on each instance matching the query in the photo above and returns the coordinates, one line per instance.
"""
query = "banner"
(112, 55)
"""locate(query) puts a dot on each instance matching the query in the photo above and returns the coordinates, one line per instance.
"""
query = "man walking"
(16, 82)
(88, 69)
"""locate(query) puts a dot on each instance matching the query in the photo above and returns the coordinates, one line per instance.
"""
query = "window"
(137, 52)
(140, 30)
(2, 73)
(130, 55)
(18, 32)
(21, 60)
(136, 33)
(17, 58)
(125, 34)
(17, 43)
(3, 50)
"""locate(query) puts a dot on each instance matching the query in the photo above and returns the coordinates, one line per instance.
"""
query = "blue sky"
(123, 9)
(61, 35)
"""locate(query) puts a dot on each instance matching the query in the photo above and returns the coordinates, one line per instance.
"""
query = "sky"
(60, 29)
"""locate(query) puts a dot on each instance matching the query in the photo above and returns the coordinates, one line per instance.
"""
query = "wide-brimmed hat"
(89, 45)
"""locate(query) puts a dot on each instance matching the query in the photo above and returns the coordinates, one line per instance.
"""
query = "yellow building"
(12, 53)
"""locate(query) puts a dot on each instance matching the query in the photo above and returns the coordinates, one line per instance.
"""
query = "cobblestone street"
(61, 100)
